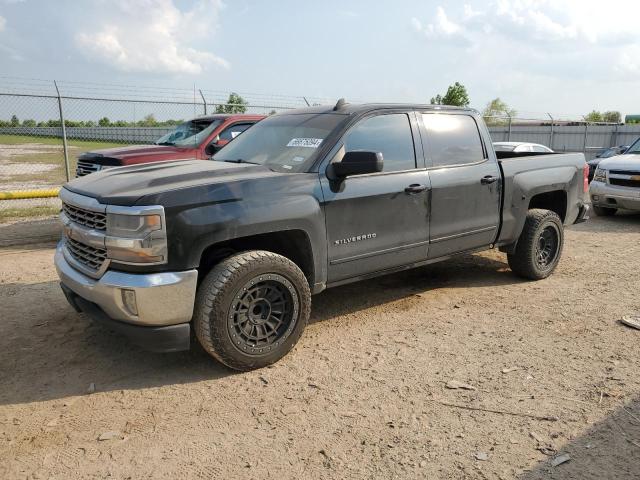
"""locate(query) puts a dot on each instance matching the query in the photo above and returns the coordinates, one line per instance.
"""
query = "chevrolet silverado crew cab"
(199, 138)
(302, 201)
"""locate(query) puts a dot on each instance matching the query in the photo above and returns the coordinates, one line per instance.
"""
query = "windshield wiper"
(169, 144)
(239, 160)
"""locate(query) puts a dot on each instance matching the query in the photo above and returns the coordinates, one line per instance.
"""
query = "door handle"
(489, 179)
(415, 188)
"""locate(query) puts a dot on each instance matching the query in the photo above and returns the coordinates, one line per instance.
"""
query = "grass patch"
(8, 214)
(84, 145)
(53, 155)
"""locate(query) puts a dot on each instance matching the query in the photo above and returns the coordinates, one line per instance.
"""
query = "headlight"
(600, 175)
(138, 237)
(132, 226)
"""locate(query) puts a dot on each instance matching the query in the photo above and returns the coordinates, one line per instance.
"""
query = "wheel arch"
(294, 244)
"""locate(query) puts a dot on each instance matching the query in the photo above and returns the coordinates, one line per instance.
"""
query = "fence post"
(64, 134)
(615, 136)
(509, 131)
(551, 133)
(584, 143)
(203, 101)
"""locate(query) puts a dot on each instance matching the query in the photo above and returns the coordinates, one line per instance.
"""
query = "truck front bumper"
(614, 196)
(153, 310)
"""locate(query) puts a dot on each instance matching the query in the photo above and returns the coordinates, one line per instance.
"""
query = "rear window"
(452, 139)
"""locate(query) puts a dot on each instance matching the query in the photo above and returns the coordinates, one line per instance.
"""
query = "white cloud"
(442, 28)
(546, 28)
(539, 55)
(3, 22)
(153, 36)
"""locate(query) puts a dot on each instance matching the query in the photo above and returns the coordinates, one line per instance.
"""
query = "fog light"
(129, 301)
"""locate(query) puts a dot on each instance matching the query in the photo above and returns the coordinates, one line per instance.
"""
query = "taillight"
(585, 172)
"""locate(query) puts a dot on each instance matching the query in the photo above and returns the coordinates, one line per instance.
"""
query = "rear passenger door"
(378, 221)
(465, 184)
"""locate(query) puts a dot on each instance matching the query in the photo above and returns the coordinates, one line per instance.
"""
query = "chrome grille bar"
(87, 218)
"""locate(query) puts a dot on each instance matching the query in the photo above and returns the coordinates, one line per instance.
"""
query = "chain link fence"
(45, 126)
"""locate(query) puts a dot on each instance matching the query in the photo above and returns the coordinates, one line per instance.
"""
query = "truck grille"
(85, 168)
(90, 257)
(623, 172)
(623, 182)
(88, 218)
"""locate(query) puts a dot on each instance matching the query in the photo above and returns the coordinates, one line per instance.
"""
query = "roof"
(224, 116)
(356, 108)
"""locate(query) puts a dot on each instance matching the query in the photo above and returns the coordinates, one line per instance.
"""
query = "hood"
(128, 185)
(622, 162)
(135, 153)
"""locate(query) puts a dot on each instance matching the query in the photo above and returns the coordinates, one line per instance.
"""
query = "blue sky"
(562, 56)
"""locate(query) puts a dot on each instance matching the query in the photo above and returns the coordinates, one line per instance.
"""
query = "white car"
(520, 147)
(616, 183)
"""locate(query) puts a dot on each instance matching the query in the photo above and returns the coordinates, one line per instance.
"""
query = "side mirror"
(215, 146)
(358, 163)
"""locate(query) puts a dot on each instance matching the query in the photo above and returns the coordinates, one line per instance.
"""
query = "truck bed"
(525, 176)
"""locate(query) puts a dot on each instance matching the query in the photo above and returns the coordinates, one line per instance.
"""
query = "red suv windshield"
(189, 134)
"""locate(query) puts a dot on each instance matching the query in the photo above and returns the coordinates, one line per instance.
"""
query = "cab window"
(388, 134)
(233, 131)
(452, 139)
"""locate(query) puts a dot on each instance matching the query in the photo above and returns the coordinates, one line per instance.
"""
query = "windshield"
(284, 143)
(635, 148)
(189, 134)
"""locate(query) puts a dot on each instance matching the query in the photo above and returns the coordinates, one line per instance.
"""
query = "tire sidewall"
(218, 315)
(550, 219)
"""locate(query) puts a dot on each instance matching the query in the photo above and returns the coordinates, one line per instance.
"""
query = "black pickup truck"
(305, 200)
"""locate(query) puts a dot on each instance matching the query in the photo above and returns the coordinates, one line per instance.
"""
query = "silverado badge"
(357, 238)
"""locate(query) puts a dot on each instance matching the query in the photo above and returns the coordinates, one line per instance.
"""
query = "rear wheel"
(604, 211)
(539, 246)
(251, 309)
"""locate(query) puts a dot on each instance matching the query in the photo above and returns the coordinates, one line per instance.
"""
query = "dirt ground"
(363, 395)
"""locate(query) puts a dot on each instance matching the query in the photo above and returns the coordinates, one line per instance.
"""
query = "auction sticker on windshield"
(305, 142)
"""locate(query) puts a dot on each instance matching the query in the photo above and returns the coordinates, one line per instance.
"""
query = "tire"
(540, 245)
(604, 211)
(251, 309)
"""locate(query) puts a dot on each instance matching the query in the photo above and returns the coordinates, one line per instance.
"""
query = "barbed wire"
(192, 94)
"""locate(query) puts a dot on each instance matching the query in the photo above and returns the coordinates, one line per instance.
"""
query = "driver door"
(379, 221)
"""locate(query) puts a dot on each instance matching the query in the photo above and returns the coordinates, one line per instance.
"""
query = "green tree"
(148, 121)
(15, 121)
(456, 95)
(29, 123)
(235, 104)
(612, 117)
(104, 122)
(593, 116)
(496, 111)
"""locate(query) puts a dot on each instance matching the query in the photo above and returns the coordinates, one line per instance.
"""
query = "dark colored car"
(608, 153)
(198, 138)
(303, 201)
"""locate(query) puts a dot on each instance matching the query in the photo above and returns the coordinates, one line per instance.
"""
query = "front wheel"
(539, 246)
(251, 309)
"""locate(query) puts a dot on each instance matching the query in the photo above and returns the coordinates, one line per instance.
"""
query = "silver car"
(520, 147)
(616, 183)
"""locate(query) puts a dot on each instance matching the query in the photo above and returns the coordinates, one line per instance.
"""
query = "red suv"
(198, 138)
